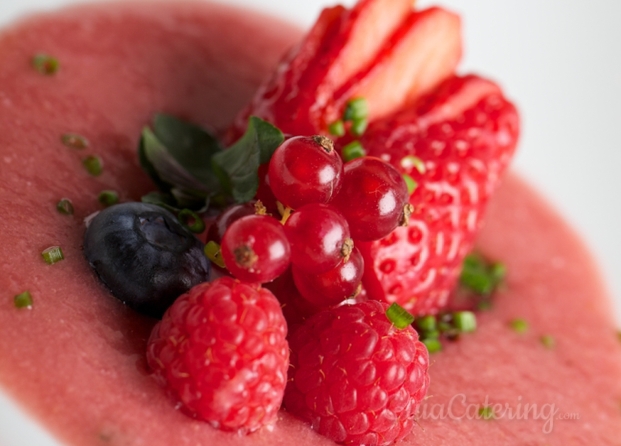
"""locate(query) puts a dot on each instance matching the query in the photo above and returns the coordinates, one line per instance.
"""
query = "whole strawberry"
(220, 349)
(455, 143)
(356, 377)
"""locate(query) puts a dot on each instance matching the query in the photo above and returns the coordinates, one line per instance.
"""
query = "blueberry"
(144, 256)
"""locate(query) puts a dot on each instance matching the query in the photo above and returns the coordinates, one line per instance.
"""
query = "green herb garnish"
(23, 300)
(356, 109)
(212, 252)
(481, 276)
(410, 183)
(93, 165)
(74, 141)
(53, 254)
(352, 151)
(411, 161)
(465, 321)
(486, 413)
(108, 197)
(548, 341)
(399, 317)
(337, 128)
(45, 64)
(191, 220)
(433, 345)
(519, 325)
(359, 126)
(65, 206)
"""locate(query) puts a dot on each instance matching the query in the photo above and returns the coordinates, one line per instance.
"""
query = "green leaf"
(237, 167)
(163, 167)
(190, 145)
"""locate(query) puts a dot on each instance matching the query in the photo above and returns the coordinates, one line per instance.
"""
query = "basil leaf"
(190, 145)
(237, 167)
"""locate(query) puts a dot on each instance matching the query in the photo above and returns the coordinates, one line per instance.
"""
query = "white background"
(560, 60)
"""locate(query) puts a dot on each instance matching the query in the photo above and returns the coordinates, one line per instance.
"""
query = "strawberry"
(353, 52)
(454, 143)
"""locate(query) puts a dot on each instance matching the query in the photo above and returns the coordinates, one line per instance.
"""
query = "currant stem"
(325, 142)
(407, 212)
(245, 257)
(346, 250)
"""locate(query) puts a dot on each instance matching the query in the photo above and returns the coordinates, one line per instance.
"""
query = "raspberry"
(220, 350)
(356, 377)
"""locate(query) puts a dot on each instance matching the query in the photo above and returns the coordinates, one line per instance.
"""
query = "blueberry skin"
(144, 256)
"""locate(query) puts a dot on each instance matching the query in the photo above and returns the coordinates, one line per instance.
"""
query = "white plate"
(560, 61)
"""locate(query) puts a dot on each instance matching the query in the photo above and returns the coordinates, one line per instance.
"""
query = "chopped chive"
(352, 151)
(53, 254)
(356, 109)
(465, 321)
(413, 161)
(399, 317)
(337, 128)
(433, 345)
(23, 300)
(65, 206)
(212, 252)
(93, 165)
(480, 276)
(486, 413)
(45, 64)
(427, 324)
(191, 220)
(519, 325)
(548, 341)
(108, 197)
(74, 141)
(359, 126)
(410, 183)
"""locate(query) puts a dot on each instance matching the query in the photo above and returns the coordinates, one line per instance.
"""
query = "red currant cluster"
(324, 206)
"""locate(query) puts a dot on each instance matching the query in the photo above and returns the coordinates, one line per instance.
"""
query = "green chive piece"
(352, 151)
(410, 183)
(74, 141)
(23, 300)
(465, 321)
(93, 165)
(212, 252)
(433, 345)
(427, 324)
(191, 220)
(415, 162)
(480, 276)
(548, 341)
(356, 109)
(337, 128)
(108, 197)
(53, 254)
(399, 316)
(486, 413)
(519, 325)
(65, 206)
(45, 64)
(359, 126)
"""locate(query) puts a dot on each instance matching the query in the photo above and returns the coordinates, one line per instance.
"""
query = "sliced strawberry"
(423, 52)
(464, 133)
(341, 43)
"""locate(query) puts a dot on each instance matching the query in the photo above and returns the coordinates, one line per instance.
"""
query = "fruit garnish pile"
(299, 256)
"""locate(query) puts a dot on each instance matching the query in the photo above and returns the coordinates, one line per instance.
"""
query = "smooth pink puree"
(76, 361)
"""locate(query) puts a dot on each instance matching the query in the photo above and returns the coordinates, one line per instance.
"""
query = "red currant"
(373, 198)
(304, 170)
(226, 218)
(332, 287)
(319, 238)
(255, 249)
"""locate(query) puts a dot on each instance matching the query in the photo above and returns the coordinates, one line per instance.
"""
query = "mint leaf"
(237, 167)
(190, 145)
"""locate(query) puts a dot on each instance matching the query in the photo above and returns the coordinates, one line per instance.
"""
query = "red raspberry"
(355, 376)
(221, 350)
